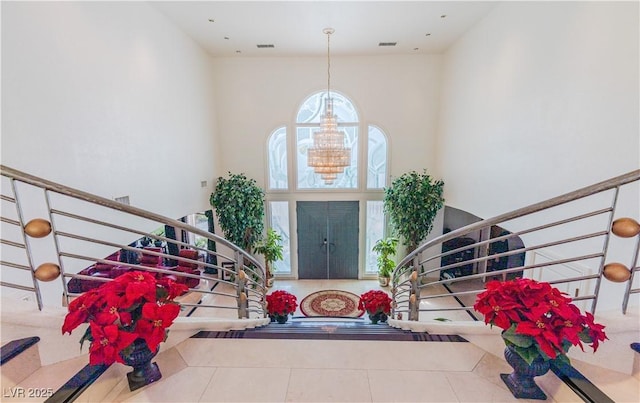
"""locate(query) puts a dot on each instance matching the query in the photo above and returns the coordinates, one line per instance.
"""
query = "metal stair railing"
(72, 230)
(564, 241)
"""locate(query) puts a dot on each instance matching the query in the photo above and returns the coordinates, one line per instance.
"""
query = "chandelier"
(328, 156)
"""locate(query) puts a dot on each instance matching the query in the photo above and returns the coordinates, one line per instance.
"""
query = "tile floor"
(243, 370)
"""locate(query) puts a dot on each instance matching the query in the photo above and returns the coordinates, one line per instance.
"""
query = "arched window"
(277, 159)
(290, 179)
(308, 122)
(376, 158)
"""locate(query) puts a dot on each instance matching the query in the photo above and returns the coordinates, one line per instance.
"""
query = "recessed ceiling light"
(416, 48)
(265, 46)
(427, 34)
(387, 43)
(212, 20)
(238, 51)
(226, 37)
(443, 16)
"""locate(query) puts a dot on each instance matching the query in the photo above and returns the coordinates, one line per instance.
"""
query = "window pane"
(308, 179)
(313, 108)
(278, 159)
(376, 159)
(280, 223)
(375, 231)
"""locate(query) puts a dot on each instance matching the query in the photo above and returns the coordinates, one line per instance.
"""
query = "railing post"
(241, 280)
(485, 234)
(414, 295)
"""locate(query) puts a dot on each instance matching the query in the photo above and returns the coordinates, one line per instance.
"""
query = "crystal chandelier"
(328, 156)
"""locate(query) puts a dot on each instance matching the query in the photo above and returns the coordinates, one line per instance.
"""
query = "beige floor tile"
(469, 387)
(247, 385)
(410, 386)
(44, 381)
(328, 385)
(188, 385)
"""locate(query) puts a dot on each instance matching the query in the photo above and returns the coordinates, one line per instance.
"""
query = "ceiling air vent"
(265, 46)
(387, 43)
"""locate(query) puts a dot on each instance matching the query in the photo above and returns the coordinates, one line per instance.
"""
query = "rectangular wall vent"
(203, 184)
(123, 200)
(263, 46)
(387, 43)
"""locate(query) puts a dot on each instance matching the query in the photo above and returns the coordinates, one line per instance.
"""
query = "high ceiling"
(295, 28)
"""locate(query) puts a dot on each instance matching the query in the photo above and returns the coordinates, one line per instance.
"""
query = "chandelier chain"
(329, 64)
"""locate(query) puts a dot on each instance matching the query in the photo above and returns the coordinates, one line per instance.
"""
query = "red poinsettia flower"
(113, 310)
(79, 310)
(281, 303)
(107, 343)
(527, 308)
(594, 331)
(155, 319)
(173, 288)
(119, 310)
(138, 285)
(375, 301)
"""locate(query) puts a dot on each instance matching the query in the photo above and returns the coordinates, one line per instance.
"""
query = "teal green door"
(327, 239)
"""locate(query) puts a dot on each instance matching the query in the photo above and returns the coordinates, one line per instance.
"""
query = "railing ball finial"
(616, 272)
(38, 228)
(47, 272)
(625, 227)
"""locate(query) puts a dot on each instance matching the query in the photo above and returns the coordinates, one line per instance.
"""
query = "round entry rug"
(331, 303)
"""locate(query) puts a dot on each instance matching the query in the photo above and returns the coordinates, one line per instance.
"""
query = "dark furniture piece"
(460, 256)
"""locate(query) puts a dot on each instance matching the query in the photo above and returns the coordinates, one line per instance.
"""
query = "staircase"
(225, 361)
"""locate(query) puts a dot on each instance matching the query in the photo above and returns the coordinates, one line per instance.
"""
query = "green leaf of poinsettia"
(563, 359)
(518, 340)
(528, 354)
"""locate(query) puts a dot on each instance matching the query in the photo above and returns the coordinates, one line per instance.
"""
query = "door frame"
(341, 195)
(335, 258)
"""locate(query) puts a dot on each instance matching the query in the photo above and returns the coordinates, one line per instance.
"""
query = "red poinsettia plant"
(133, 305)
(375, 301)
(281, 303)
(537, 319)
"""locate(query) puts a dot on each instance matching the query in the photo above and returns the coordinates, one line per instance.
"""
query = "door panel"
(312, 254)
(327, 240)
(343, 236)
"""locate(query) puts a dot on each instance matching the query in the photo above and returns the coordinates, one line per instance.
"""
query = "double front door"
(327, 239)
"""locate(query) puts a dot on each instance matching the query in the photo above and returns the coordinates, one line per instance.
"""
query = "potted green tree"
(271, 248)
(385, 248)
(412, 202)
(239, 205)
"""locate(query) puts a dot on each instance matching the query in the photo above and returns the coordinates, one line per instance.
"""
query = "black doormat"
(320, 330)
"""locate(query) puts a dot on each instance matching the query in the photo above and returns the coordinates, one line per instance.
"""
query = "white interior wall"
(541, 98)
(256, 95)
(109, 98)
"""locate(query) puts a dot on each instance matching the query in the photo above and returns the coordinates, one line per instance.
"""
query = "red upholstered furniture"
(101, 270)
(149, 260)
(188, 267)
(98, 270)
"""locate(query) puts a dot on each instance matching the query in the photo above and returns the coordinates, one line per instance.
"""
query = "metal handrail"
(248, 292)
(410, 271)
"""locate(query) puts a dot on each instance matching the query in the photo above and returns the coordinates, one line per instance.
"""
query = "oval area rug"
(335, 303)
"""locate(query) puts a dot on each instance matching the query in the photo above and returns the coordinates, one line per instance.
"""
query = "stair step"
(329, 330)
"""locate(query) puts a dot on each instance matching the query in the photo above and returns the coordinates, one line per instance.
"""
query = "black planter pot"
(378, 317)
(144, 371)
(520, 382)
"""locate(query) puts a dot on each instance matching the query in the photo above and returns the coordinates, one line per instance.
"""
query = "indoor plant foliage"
(377, 304)
(271, 248)
(281, 304)
(385, 248)
(412, 202)
(538, 320)
(239, 205)
(133, 306)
